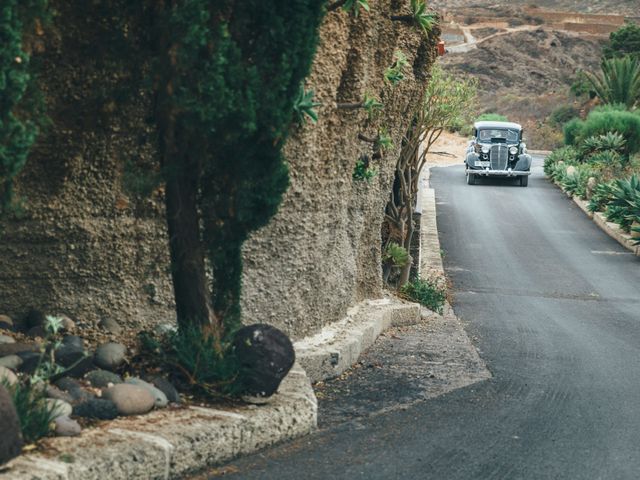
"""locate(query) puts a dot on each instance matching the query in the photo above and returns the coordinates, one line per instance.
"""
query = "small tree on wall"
(227, 77)
(447, 102)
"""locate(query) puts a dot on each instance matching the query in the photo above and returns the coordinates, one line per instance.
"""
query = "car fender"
(471, 159)
(523, 163)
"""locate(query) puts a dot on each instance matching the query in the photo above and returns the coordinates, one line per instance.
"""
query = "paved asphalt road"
(554, 307)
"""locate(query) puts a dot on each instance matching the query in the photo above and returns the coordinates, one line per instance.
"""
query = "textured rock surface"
(101, 378)
(8, 376)
(159, 398)
(97, 251)
(266, 355)
(10, 439)
(98, 408)
(110, 355)
(130, 399)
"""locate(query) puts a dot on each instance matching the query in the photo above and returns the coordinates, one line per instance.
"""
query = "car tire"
(524, 180)
(471, 179)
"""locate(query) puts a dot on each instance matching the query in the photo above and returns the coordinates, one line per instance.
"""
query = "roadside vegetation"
(600, 159)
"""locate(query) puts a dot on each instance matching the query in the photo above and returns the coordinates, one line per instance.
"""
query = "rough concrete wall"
(321, 253)
(84, 246)
(89, 248)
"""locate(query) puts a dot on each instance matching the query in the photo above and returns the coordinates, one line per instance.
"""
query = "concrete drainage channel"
(173, 443)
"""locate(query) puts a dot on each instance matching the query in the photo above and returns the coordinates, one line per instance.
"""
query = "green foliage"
(354, 6)
(20, 111)
(492, 117)
(603, 121)
(383, 141)
(424, 19)
(624, 41)
(576, 183)
(582, 86)
(619, 81)
(395, 255)
(201, 362)
(623, 207)
(428, 292)
(371, 105)
(363, 171)
(395, 73)
(304, 107)
(229, 76)
(566, 155)
(601, 196)
(563, 114)
(34, 413)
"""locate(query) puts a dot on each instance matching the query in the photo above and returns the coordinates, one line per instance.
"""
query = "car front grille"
(499, 156)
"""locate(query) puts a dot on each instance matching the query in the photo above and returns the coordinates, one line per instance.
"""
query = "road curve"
(554, 307)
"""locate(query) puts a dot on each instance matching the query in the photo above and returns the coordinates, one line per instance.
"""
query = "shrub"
(601, 197)
(429, 292)
(619, 81)
(563, 114)
(624, 205)
(567, 155)
(576, 183)
(603, 121)
(395, 255)
(492, 117)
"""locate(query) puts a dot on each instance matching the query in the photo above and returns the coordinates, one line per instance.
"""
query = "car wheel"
(471, 179)
(524, 180)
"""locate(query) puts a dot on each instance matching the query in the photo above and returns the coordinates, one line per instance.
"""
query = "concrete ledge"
(171, 443)
(338, 346)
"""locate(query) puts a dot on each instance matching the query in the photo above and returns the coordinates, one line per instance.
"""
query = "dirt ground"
(449, 149)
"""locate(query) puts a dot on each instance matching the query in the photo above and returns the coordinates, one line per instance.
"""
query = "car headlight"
(485, 149)
(513, 150)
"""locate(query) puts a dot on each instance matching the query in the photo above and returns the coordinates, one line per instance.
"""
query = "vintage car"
(497, 149)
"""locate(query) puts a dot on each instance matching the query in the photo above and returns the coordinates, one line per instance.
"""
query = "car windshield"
(498, 134)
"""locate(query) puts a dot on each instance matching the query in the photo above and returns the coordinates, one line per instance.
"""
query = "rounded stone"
(98, 408)
(8, 376)
(11, 438)
(6, 319)
(110, 355)
(166, 387)
(7, 339)
(68, 325)
(54, 392)
(102, 378)
(59, 408)
(11, 361)
(266, 355)
(74, 341)
(160, 399)
(130, 399)
(66, 427)
(111, 326)
(571, 170)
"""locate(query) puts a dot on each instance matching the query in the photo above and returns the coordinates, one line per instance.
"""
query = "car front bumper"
(486, 172)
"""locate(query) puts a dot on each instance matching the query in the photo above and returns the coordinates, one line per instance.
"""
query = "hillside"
(526, 58)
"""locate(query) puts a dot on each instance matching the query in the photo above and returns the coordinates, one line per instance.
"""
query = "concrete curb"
(611, 229)
(171, 443)
(338, 346)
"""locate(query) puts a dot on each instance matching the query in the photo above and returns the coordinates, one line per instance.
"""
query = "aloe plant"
(395, 73)
(351, 6)
(420, 16)
(304, 107)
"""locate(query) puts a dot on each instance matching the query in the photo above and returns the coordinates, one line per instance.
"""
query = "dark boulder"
(34, 318)
(98, 408)
(265, 355)
(11, 437)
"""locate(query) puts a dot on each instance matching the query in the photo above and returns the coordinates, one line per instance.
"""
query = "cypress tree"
(227, 76)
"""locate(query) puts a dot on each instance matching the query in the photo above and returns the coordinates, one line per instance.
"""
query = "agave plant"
(601, 197)
(395, 73)
(350, 6)
(624, 206)
(304, 107)
(619, 81)
(420, 16)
